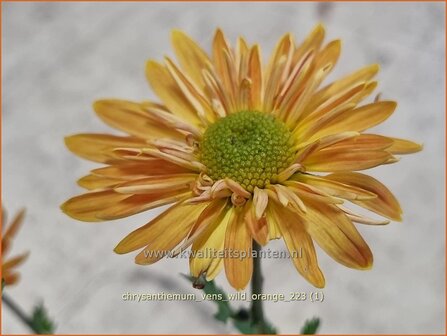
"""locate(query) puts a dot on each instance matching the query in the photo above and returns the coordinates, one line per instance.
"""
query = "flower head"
(244, 152)
(9, 274)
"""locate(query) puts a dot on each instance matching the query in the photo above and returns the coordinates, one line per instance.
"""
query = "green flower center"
(249, 147)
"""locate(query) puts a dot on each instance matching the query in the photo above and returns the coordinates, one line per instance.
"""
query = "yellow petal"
(332, 160)
(223, 59)
(92, 182)
(169, 225)
(192, 58)
(207, 247)
(384, 204)
(238, 242)
(100, 147)
(364, 142)
(358, 119)
(402, 146)
(312, 43)
(139, 203)
(306, 191)
(84, 207)
(256, 77)
(300, 245)
(336, 235)
(342, 85)
(152, 167)
(257, 227)
(335, 188)
(157, 184)
(167, 89)
(129, 117)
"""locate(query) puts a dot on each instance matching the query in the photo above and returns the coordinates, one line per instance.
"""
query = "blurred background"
(57, 58)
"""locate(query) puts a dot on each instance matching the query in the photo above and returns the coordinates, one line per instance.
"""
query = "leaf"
(40, 322)
(310, 326)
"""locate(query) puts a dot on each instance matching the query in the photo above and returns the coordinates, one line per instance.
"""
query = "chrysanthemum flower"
(239, 149)
(10, 275)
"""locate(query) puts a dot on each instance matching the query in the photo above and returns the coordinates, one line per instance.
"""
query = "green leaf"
(40, 322)
(310, 326)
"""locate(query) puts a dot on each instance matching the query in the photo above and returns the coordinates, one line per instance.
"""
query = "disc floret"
(249, 147)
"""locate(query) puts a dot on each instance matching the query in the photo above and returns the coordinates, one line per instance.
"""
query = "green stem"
(257, 311)
(18, 311)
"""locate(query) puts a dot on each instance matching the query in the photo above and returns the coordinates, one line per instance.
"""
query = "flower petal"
(335, 188)
(84, 207)
(384, 204)
(257, 227)
(299, 244)
(206, 249)
(13, 262)
(167, 89)
(342, 85)
(170, 226)
(129, 117)
(157, 184)
(238, 242)
(100, 147)
(192, 58)
(332, 160)
(358, 119)
(12, 230)
(336, 235)
(402, 146)
(139, 203)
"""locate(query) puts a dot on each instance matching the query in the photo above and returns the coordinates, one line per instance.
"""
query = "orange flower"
(236, 147)
(9, 273)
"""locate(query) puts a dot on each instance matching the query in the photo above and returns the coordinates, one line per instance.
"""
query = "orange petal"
(299, 244)
(16, 261)
(92, 182)
(336, 235)
(139, 203)
(364, 142)
(151, 167)
(402, 146)
(129, 117)
(255, 75)
(358, 119)
(384, 204)
(334, 188)
(167, 89)
(192, 58)
(238, 242)
(12, 230)
(332, 160)
(10, 278)
(257, 227)
(224, 64)
(171, 225)
(343, 85)
(157, 184)
(205, 250)
(85, 207)
(100, 147)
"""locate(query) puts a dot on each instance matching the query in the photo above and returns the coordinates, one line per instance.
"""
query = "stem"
(18, 311)
(257, 311)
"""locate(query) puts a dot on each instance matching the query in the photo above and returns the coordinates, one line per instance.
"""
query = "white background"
(59, 57)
